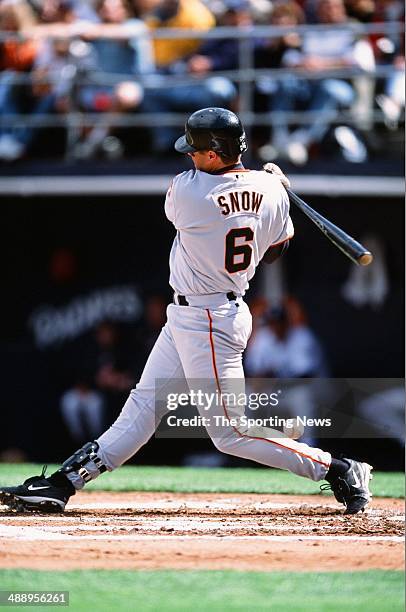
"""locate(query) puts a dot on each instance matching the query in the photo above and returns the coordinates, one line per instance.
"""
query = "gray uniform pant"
(201, 346)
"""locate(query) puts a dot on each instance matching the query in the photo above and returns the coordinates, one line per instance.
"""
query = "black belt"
(182, 301)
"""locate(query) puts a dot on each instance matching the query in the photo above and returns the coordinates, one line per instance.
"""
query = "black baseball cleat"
(37, 494)
(352, 488)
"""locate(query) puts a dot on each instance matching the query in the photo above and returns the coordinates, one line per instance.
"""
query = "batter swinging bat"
(348, 245)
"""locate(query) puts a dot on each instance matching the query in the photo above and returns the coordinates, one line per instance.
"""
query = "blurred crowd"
(104, 368)
(98, 57)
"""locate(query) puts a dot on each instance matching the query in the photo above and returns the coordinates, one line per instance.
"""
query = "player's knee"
(227, 444)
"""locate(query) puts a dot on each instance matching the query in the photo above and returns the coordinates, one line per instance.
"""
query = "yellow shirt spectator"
(191, 14)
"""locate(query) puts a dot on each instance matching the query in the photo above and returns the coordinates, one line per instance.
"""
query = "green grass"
(216, 480)
(372, 591)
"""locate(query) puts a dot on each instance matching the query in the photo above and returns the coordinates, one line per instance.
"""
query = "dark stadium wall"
(367, 340)
(126, 241)
(122, 244)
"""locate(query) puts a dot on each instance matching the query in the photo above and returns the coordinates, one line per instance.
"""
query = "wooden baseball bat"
(348, 245)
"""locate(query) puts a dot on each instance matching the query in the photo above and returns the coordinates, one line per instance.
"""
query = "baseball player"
(228, 219)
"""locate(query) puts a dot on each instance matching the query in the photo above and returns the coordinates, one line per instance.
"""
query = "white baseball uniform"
(225, 223)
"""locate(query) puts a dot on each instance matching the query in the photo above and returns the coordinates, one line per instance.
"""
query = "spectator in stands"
(113, 371)
(150, 328)
(269, 54)
(389, 50)
(392, 99)
(188, 14)
(120, 51)
(222, 54)
(113, 56)
(17, 56)
(102, 377)
(82, 410)
(209, 91)
(215, 54)
(61, 19)
(334, 48)
(115, 49)
(44, 61)
(361, 10)
(286, 348)
(212, 91)
(64, 11)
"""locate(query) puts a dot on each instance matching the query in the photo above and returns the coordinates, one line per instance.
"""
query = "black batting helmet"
(213, 129)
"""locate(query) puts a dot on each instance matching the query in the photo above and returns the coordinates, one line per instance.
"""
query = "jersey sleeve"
(281, 226)
(170, 203)
(175, 198)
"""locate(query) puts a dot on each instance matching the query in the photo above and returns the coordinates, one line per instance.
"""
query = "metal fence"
(246, 77)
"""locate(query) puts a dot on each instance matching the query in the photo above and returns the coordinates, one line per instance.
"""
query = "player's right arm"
(281, 229)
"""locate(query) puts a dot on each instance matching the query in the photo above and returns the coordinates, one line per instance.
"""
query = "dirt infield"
(204, 531)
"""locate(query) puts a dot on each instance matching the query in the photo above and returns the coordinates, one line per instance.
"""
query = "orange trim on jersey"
(281, 241)
(213, 355)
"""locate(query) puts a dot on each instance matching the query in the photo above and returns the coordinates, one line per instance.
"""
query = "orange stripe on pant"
(213, 354)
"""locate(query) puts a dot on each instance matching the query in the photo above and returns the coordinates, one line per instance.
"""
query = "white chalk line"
(203, 508)
(192, 505)
(173, 505)
(201, 526)
(148, 524)
(86, 519)
(224, 505)
(35, 534)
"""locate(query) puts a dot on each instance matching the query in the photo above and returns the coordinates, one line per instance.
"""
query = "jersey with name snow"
(225, 223)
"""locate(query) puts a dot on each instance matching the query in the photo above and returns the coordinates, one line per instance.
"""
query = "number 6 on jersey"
(233, 249)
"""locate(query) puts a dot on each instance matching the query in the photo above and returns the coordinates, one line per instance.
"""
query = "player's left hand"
(274, 169)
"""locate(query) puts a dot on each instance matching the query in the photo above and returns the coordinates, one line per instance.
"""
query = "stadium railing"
(246, 76)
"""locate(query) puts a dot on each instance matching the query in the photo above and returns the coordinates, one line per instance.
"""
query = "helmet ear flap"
(229, 148)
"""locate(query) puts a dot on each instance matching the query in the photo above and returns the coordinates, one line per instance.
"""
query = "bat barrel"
(349, 246)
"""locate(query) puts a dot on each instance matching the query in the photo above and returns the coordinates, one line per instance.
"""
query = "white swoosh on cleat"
(32, 488)
(357, 483)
